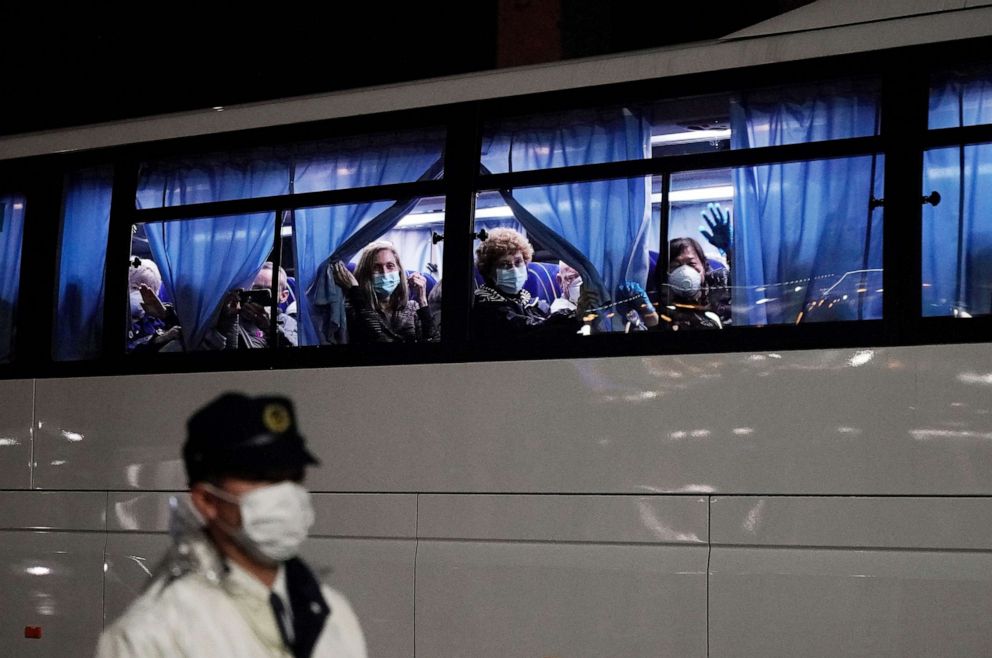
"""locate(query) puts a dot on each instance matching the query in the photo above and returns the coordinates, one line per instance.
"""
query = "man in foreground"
(232, 584)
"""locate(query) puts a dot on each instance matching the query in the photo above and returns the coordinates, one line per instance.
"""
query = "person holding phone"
(378, 298)
(245, 317)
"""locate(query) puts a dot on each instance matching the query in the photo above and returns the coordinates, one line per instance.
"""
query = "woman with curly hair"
(502, 309)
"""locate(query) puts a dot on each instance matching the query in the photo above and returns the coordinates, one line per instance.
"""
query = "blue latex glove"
(718, 221)
(635, 296)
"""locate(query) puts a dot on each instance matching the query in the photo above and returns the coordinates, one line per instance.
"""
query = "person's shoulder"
(343, 630)
(149, 626)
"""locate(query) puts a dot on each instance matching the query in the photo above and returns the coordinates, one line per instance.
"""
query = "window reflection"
(957, 232)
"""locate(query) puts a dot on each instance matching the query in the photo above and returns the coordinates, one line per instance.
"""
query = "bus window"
(806, 241)
(11, 235)
(562, 260)
(78, 331)
(367, 273)
(957, 231)
(198, 284)
(320, 166)
(692, 276)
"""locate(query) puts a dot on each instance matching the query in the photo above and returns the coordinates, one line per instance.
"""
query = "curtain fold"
(82, 259)
(600, 228)
(957, 233)
(11, 237)
(802, 228)
(202, 259)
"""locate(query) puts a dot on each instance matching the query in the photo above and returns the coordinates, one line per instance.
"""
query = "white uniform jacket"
(198, 607)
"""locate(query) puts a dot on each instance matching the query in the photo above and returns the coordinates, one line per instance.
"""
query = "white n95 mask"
(275, 520)
(685, 280)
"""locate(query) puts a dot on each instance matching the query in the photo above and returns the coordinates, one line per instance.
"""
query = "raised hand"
(718, 221)
(343, 277)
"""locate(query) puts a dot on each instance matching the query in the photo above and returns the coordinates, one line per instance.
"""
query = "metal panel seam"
(106, 545)
(31, 430)
(416, 553)
(709, 554)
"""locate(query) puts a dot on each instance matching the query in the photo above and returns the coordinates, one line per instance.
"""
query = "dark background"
(90, 61)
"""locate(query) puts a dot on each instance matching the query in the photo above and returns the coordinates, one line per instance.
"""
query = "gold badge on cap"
(276, 418)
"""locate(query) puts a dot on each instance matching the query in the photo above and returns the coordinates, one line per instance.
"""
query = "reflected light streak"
(984, 379)
(861, 357)
(658, 529)
(133, 475)
(8, 442)
(38, 571)
(72, 436)
(929, 434)
(696, 488)
(58, 462)
(753, 517)
(849, 430)
(743, 431)
(140, 561)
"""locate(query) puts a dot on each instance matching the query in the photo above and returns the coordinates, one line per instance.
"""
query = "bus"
(761, 426)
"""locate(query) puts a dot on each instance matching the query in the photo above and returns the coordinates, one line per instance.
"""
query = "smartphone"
(260, 296)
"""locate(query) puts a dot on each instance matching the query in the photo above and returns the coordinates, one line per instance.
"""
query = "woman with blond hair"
(379, 308)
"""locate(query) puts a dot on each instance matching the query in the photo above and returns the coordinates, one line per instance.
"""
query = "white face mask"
(685, 280)
(573, 290)
(275, 520)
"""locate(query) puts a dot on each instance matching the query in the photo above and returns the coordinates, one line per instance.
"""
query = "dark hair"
(678, 246)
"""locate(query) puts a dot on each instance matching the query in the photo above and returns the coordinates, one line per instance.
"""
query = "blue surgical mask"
(385, 284)
(511, 281)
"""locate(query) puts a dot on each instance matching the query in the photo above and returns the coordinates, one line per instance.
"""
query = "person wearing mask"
(570, 284)
(379, 308)
(501, 308)
(697, 295)
(244, 322)
(232, 584)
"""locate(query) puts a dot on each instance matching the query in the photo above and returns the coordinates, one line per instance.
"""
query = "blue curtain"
(324, 235)
(805, 225)
(82, 256)
(957, 234)
(963, 99)
(218, 177)
(11, 235)
(600, 228)
(202, 259)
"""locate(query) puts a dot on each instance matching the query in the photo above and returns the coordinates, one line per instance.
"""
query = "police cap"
(237, 435)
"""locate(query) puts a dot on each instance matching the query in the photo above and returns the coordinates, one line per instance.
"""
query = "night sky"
(91, 62)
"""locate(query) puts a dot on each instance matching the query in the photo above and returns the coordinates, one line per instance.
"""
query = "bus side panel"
(15, 433)
(850, 577)
(561, 576)
(906, 421)
(51, 549)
